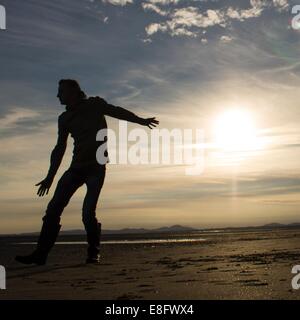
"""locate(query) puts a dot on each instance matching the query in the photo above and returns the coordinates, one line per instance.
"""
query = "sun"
(234, 130)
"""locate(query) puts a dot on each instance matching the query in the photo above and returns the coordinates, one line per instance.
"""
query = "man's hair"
(74, 85)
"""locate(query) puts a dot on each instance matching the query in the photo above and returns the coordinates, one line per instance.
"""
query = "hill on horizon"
(165, 229)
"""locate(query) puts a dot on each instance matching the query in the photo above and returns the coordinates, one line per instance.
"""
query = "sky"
(187, 62)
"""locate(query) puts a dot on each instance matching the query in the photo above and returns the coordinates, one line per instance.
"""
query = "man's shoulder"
(96, 100)
(62, 118)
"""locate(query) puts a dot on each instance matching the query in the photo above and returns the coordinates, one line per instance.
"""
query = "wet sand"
(237, 265)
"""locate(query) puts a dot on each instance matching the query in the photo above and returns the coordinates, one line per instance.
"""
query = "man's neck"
(73, 104)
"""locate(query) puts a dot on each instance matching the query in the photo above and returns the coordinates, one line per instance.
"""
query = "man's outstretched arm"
(55, 160)
(124, 114)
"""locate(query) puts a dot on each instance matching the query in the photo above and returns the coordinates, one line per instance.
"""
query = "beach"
(253, 264)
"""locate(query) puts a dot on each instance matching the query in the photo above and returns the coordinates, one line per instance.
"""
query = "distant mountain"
(280, 225)
(274, 225)
(295, 224)
(175, 228)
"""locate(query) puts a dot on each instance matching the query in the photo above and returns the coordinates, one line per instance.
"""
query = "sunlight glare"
(234, 130)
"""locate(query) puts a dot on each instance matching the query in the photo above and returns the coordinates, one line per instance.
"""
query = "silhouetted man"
(83, 118)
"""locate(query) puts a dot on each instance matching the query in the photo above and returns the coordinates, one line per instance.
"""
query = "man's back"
(83, 121)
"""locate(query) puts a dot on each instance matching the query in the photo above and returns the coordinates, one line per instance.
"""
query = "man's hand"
(149, 122)
(44, 186)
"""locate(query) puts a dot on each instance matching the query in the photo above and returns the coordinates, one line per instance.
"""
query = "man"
(83, 118)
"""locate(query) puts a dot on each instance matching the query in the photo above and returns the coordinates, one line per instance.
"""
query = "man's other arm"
(59, 150)
(55, 159)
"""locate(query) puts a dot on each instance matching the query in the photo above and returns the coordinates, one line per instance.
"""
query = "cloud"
(147, 40)
(22, 121)
(154, 27)
(226, 38)
(164, 2)
(187, 20)
(118, 2)
(155, 8)
(281, 5)
(182, 19)
(241, 15)
(11, 119)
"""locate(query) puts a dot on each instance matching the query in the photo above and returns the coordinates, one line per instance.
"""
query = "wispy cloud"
(226, 38)
(118, 2)
(154, 8)
(187, 20)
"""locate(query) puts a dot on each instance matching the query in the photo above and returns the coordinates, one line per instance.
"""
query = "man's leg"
(94, 182)
(66, 186)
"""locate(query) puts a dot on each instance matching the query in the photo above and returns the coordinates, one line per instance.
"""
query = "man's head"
(69, 92)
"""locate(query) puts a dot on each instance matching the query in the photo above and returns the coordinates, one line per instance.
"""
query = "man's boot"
(46, 241)
(93, 239)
